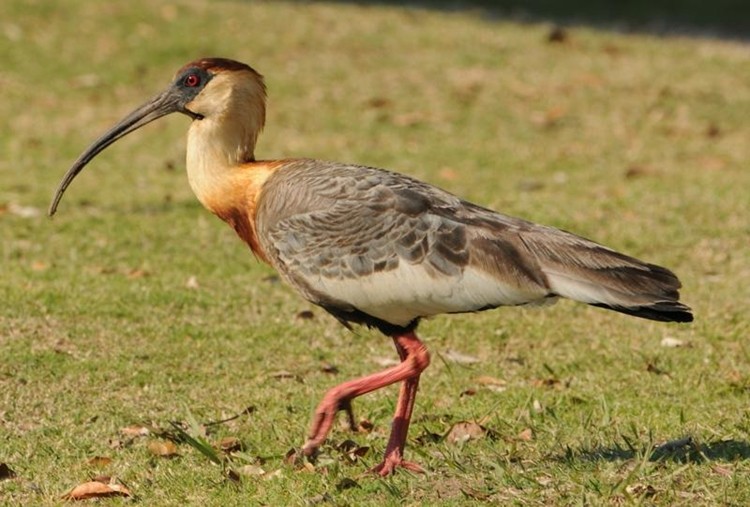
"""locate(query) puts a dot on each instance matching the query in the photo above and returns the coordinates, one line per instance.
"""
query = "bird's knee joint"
(421, 358)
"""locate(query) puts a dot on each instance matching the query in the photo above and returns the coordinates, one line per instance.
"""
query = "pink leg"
(414, 359)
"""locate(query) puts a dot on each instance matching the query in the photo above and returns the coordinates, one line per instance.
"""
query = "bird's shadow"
(683, 450)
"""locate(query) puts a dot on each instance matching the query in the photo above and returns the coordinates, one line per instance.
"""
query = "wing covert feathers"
(383, 249)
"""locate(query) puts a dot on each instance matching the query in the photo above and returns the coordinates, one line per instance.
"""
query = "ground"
(134, 307)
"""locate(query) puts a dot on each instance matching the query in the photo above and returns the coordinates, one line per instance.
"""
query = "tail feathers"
(663, 311)
(590, 273)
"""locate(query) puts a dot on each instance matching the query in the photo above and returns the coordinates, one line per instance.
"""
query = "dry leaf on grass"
(24, 211)
(558, 35)
(6, 472)
(464, 431)
(103, 488)
(163, 448)
(526, 435)
(548, 382)
(329, 368)
(365, 426)
(493, 384)
(346, 483)
(295, 459)
(251, 470)
(723, 470)
(670, 342)
(134, 431)
(230, 444)
(137, 273)
(351, 450)
(286, 375)
(652, 368)
(39, 266)
(305, 315)
(99, 461)
(641, 490)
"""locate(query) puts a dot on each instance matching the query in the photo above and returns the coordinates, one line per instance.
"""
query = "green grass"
(636, 141)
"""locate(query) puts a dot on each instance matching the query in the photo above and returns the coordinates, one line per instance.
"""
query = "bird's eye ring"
(192, 80)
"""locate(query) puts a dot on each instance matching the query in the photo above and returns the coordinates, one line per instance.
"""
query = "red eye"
(192, 80)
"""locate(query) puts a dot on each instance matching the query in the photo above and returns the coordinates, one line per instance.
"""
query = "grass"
(135, 307)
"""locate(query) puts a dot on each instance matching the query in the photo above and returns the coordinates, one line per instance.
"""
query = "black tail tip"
(662, 312)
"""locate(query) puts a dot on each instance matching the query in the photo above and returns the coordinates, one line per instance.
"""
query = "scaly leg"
(414, 359)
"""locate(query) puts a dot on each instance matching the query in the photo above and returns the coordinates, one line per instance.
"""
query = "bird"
(374, 247)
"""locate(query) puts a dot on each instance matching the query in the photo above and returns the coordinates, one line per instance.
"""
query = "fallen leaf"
(526, 435)
(459, 358)
(293, 458)
(468, 392)
(135, 431)
(464, 431)
(329, 368)
(272, 475)
(352, 450)
(137, 273)
(558, 35)
(722, 470)
(346, 483)
(549, 118)
(365, 426)
(305, 315)
(230, 444)
(713, 130)
(486, 380)
(411, 119)
(6, 472)
(96, 489)
(544, 480)
(378, 102)
(428, 438)
(637, 171)
(546, 382)
(163, 448)
(192, 283)
(641, 490)
(612, 49)
(652, 368)
(283, 374)
(232, 474)
(251, 470)
(99, 461)
(23, 211)
(673, 342)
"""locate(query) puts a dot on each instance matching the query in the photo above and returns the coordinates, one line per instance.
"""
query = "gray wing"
(359, 239)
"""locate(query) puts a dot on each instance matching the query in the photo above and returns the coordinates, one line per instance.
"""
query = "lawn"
(135, 308)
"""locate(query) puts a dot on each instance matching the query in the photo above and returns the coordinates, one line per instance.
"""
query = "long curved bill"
(163, 104)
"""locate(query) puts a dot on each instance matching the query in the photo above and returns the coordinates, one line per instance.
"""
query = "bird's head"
(205, 89)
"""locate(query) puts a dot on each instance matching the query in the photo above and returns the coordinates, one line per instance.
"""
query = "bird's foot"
(393, 461)
(310, 448)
